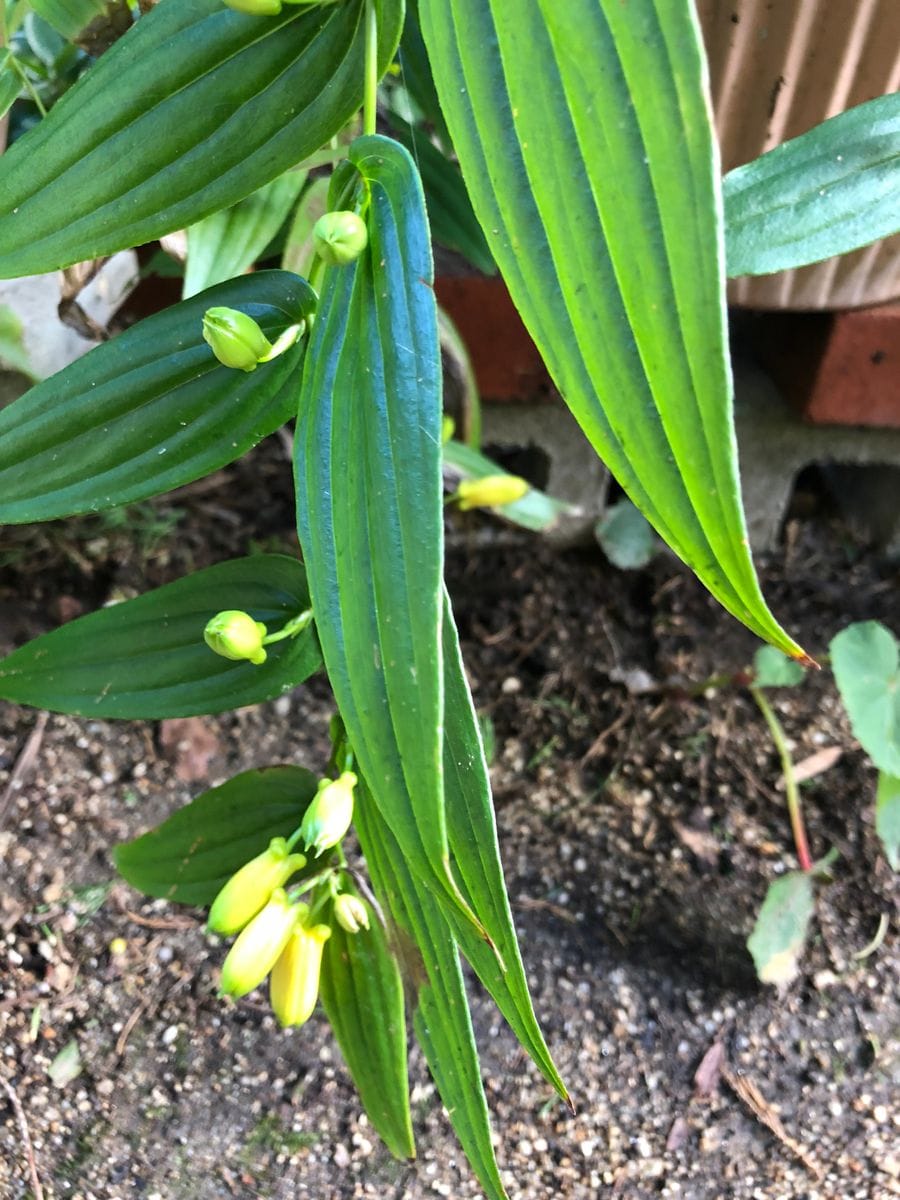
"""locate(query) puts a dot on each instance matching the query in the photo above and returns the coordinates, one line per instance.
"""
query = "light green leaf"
(424, 944)
(771, 668)
(13, 354)
(146, 658)
(299, 248)
(887, 817)
(226, 243)
(362, 994)
(192, 110)
(779, 934)
(369, 503)
(625, 536)
(66, 1065)
(69, 17)
(536, 510)
(865, 658)
(10, 83)
(150, 410)
(191, 855)
(828, 191)
(593, 177)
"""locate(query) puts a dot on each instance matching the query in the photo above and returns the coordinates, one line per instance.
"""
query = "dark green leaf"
(828, 191)
(415, 72)
(10, 83)
(450, 215)
(226, 243)
(363, 997)
(191, 855)
(150, 410)
(424, 943)
(771, 668)
(625, 536)
(592, 175)
(146, 658)
(535, 510)
(887, 817)
(865, 658)
(779, 934)
(196, 107)
(369, 502)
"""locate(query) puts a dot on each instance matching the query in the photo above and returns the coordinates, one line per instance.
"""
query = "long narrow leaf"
(441, 1017)
(584, 137)
(150, 410)
(196, 107)
(827, 192)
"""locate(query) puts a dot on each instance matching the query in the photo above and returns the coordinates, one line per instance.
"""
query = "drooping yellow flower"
(329, 815)
(259, 944)
(294, 986)
(350, 913)
(491, 491)
(248, 890)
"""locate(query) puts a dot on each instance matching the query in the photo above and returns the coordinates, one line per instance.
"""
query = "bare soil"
(640, 820)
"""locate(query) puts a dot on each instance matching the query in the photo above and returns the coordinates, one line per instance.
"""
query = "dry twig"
(26, 1137)
(747, 1091)
(24, 763)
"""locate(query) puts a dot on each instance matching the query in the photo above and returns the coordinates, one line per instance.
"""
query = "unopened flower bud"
(235, 338)
(340, 237)
(294, 986)
(490, 491)
(235, 635)
(259, 8)
(350, 913)
(329, 815)
(259, 944)
(248, 890)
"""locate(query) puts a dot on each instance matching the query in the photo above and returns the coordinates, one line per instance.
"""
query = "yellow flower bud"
(259, 8)
(235, 338)
(259, 944)
(247, 891)
(340, 237)
(490, 492)
(350, 913)
(294, 986)
(235, 635)
(329, 815)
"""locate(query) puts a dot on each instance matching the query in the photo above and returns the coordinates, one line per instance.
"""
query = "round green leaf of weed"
(771, 668)
(625, 536)
(865, 658)
(887, 817)
(191, 855)
(780, 931)
(146, 658)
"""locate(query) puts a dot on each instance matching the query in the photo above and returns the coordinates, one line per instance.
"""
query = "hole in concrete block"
(530, 462)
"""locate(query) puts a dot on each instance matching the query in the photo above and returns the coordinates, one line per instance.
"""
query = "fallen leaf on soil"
(706, 1077)
(66, 1066)
(188, 743)
(815, 764)
(701, 843)
(678, 1134)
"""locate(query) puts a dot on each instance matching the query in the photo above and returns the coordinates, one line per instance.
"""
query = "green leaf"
(69, 17)
(415, 72)
(887, 817)
(865, 658)
(472, 833)
(190, 856)
(362, 994)
(226, 243)
(625, 536)
(150, 410)
(536, 510)
(10, 83)
(441, 1019)
(597, 192)
(194, 108)
(146, 658)
(369, 503)
(779, 934)
(450, 215)
(12, 346)
(299, 248)
(828, 191)
(771, 668)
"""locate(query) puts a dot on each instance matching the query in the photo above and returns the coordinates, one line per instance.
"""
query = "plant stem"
(370, 101)
(792, 792)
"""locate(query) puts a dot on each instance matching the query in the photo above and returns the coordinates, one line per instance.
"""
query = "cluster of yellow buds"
(278, 934)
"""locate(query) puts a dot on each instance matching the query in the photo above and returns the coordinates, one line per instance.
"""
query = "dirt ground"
(640, 822)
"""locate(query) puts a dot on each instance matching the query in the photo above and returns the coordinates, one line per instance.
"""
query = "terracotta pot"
(777, 68)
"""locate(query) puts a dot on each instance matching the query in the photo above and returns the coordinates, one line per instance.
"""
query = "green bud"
(329, 815)
(340, 237)
(491, 491)
(294, 986)
(259, 8)
(234, 338)
(235, 635)
(350, 913)
(259, 944)
(248, 890)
